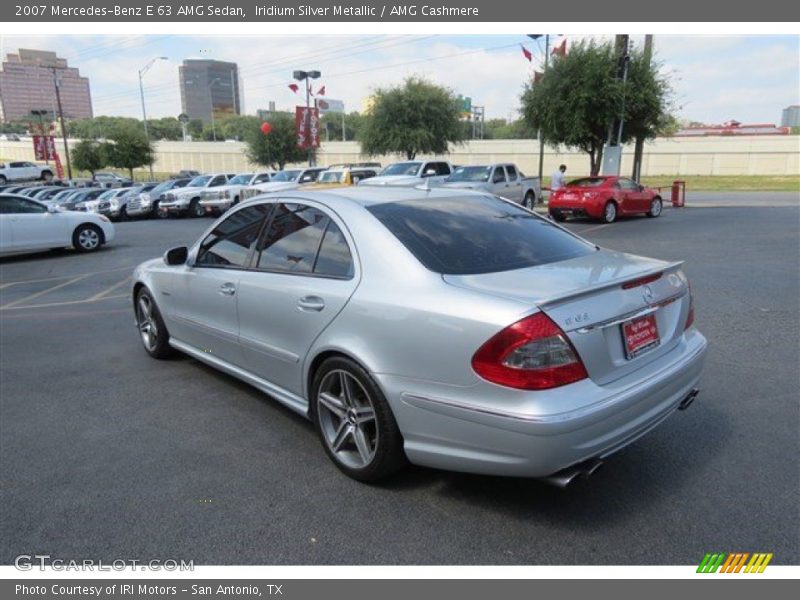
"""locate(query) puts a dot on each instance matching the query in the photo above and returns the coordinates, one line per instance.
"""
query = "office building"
(27, 82)
(209, 86)
(791, 116)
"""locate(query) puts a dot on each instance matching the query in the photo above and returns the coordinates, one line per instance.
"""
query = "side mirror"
(429, 173)
(176, 256)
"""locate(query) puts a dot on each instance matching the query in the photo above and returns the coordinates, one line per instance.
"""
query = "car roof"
(369, 195)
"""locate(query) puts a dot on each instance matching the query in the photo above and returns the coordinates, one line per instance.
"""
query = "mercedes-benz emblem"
(647, 294)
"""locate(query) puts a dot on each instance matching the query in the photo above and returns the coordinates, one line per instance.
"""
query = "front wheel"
(610, 212)
(354, 421)
(196, 210)
(655, 207)
(87, 238)
(152, 330)
(47, 176)
(3, 180)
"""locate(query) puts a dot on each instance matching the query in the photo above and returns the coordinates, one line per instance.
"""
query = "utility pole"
(612, 152)
(541, 137)
(142, 72)
(57, 85)
(638, 150)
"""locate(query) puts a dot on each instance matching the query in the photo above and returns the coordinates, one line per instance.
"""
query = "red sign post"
(306, 123)
(44, 148)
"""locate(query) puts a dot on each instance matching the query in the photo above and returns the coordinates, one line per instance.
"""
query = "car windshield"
(163, 187)
(290, 175)
(403, 168)
(587, 182)
(331, 177)
(471, 174)
(107, 195)
(242, 179)
(468, 235)
(200, 181)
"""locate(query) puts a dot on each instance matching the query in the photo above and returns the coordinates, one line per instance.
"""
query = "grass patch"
(730, 183)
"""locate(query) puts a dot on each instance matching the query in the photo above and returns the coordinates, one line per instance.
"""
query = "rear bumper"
(466, 429)
(582, 208)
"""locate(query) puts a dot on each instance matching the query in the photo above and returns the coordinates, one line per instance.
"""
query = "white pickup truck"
(411, 172)
(501, 179)
(24, 171)
(288, 179)
(217, 200)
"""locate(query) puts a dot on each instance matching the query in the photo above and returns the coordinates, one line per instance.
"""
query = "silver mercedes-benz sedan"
(446, 328)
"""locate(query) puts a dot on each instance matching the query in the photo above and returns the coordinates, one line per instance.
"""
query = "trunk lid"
(591, 298)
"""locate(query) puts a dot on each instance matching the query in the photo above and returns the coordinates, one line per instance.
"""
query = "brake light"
(531, 354)
(642, 281)
(690, 317)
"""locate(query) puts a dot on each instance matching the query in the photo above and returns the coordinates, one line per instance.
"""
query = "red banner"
(306, 124)
(44, 147)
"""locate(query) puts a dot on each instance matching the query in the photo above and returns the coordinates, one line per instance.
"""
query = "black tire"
(159, 214)
(530, 200)
(87, 238)
(235, 201)
(656, 206)
(159, 348)
(557, 216)
(47, 176)
(196, 210)
(609, 212)
(3, 180)
(123, 214)
(381, 432)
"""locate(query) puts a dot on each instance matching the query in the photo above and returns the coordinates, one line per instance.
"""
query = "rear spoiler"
(553, 301)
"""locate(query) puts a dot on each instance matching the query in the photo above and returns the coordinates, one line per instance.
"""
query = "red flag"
(321, 91)
(526, 53)
(560, 49)
(293, 87)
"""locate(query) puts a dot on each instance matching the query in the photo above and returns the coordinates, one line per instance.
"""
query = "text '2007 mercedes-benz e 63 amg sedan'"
(447, 328)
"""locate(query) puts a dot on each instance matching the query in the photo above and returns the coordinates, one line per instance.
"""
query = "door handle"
(227, 289)
(311, 303)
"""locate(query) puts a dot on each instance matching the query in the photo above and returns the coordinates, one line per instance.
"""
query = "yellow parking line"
(66, 303)
(43, 292)
(108, 290)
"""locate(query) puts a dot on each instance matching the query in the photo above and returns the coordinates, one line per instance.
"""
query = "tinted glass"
(334, 257)
(588, 182)
(10, 205)
(229, 244)
(512, 172)
(242, 179)
(479, 173)
(263, 177)
(499, 175)
(403, 168)
(476, 234)
(218, 180)
(289, 175)
(292, 239)
(628, 184)
(200, 181)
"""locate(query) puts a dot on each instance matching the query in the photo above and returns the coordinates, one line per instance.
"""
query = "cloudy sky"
(716, 78)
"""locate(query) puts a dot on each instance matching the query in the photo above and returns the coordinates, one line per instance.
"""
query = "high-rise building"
(790, 117)
(209, 86)
(27, 82)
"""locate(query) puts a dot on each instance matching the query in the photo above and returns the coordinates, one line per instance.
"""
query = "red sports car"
(604, 198)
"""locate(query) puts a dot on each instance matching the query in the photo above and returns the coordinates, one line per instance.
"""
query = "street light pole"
(142, 72)
(307, 76)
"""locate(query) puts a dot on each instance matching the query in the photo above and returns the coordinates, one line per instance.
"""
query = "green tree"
(277, 148)
(165, 128)
(195, 129)
(88, 155)
(580, 97)
(128, 148)
(417, 117)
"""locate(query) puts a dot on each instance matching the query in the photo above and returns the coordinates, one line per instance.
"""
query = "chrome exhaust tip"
(687, 402)
(565, 477)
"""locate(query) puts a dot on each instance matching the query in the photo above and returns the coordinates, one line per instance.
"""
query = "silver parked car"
(448, 328)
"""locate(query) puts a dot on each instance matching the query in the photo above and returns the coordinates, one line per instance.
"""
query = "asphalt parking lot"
(107, 454)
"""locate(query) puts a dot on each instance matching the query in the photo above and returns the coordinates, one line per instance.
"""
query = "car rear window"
(476, 234)
(588, 182)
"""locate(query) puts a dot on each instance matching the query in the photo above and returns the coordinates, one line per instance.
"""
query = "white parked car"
(186, 200)
(28, 225)
(288, 179)
(411, 172)
(24, 171)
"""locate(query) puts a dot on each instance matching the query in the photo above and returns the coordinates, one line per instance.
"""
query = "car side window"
(20, 206)
(261, 178)
(7, 206)
(442, 168)
(334, 258)
(499, 175)
(627, 184)
(512, 172)
(16, 165)
(218, 180)
(229, 244)
(292, 239)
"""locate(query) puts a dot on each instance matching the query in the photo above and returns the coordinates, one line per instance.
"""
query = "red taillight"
(690, 317)
(531, 354)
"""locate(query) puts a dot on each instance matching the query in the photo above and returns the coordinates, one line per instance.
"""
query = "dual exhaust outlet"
(565, 477)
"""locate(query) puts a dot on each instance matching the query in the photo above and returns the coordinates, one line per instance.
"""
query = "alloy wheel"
(148, 328)
(347, 419)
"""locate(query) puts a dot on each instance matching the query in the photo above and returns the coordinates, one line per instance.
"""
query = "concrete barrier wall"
(740, 155)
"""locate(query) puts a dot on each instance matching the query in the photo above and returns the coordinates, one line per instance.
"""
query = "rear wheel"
(3, 180)
(354, 421)
(87, 238)
(530, 200)
(47, 176)
(655, 207)
(610, 212)
(152, 330)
